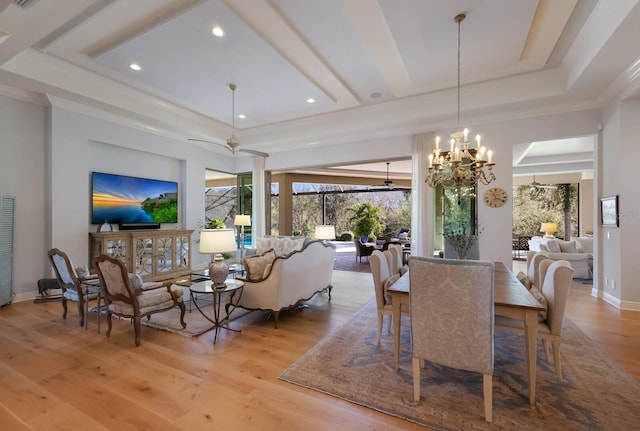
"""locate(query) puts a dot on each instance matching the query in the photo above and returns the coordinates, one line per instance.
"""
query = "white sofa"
(287, 279)
(578, 252)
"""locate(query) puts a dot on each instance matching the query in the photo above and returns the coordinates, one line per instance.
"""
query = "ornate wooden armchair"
(71, 285)
(125, 301)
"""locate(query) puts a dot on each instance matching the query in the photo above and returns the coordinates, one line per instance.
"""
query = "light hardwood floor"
(54, 375)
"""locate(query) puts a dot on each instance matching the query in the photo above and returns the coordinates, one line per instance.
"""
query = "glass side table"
(231, 288)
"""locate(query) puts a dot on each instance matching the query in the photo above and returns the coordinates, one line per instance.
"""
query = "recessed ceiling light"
(375, 95)
(135, 66)
(311, 100)
(217, 31)
(242, 116)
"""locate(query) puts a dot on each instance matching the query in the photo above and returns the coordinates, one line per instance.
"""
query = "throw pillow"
(136, 282)
(386, 284)
(522, 277)
(255, 265)
(553, 245)
(537, 293)
(568, 246)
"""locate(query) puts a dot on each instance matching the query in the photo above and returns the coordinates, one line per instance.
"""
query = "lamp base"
(549, 235)
(218, 271)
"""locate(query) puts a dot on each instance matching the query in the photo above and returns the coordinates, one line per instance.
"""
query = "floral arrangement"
(460, 241)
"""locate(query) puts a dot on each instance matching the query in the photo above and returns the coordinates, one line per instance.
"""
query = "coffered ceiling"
(374, 68)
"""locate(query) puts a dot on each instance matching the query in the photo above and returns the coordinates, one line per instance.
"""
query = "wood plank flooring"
(54, 375)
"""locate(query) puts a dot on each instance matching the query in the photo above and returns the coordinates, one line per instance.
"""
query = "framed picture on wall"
(609, 216)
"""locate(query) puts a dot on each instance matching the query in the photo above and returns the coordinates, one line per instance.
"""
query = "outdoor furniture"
(363, 250)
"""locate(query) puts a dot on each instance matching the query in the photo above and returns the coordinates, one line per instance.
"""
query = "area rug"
(595, 394)
(196, 324)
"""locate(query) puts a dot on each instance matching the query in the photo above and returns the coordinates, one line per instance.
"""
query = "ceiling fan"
(388, 183)
(536, 185)
(232, 143)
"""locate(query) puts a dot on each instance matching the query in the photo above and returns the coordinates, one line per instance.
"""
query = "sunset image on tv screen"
(123, 199)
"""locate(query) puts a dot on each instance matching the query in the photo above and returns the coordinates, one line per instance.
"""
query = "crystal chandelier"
(461, 166)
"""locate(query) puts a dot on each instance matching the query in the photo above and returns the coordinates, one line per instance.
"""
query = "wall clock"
(495, 197)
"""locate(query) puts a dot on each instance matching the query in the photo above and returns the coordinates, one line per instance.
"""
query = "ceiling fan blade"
(209, 142)
(254, 152)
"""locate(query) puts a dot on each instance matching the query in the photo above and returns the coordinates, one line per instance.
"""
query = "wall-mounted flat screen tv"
(120, 199)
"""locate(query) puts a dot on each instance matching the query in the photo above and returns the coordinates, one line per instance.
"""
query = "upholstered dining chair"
(534, 258)
(381, 277)
(72, 285)
(396, 250)
(556, 278)
(452, 312)
(393, 264)
(125, 301)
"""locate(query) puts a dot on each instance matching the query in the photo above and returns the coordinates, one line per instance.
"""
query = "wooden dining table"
(511, 299)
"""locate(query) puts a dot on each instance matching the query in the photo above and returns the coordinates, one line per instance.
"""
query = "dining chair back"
(125, 301)
(393, 264)
(382, 279)
(452, 315)
(533, 267)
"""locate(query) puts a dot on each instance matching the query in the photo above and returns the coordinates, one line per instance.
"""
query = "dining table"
(511, 299)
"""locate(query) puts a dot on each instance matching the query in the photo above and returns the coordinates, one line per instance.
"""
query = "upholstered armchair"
(72, 285)
(125, 301)
(363, 250)
(451, 306)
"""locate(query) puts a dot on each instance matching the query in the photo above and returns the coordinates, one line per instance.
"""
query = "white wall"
(22, 174)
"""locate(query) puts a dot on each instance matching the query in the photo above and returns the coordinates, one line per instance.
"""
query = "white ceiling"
(374, 67)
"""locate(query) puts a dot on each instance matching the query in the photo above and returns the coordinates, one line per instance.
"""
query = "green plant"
(214, 223)
(365, 220)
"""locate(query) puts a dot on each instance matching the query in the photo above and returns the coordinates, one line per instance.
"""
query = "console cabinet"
(152, 254)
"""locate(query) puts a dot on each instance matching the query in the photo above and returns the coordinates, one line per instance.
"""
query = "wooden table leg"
(531, 335)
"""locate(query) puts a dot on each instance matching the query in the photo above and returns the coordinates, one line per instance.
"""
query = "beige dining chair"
(393, 264)
(381, 276)
(533, 266)
(556, 281)
(396, 250)
(452, 312)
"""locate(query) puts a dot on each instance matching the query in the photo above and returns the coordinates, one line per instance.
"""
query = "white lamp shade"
(217, 240)
(325, 231)
(242, 220)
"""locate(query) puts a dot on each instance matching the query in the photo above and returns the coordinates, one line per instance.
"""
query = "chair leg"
(80, 313)
(64, 308)
(545, 347)
(487, 381)
(108, 323)
(556, 358)
(182, 311)
(380, 317)
(136, 329)
(416, 378)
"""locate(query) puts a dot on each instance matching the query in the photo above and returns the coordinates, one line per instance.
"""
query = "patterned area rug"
(595, 393)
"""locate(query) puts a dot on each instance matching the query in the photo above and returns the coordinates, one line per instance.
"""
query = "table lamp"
(325, 232)
(548, 229)
(217, 241)
(242, 220)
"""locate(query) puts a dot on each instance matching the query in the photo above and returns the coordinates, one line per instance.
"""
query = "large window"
(533, 206)
(455, 213)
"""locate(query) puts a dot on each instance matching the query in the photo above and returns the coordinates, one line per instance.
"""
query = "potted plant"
(366, 220)
(461, 241)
